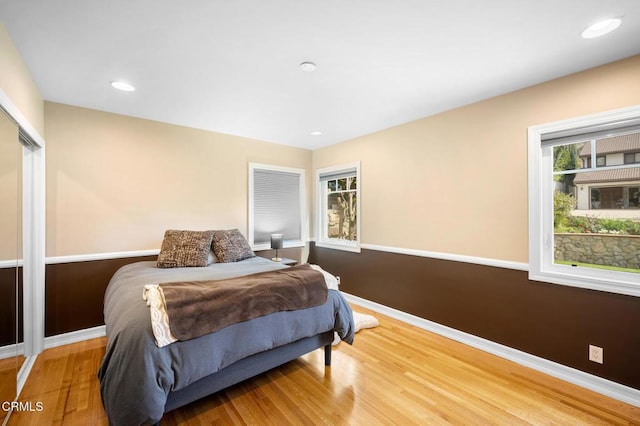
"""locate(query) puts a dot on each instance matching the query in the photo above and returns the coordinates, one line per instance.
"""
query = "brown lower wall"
(10, 309)
(554, 322)
(550, 321)
(74, 293)
(7, 306)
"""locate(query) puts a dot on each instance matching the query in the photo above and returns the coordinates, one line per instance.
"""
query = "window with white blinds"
(276, 205)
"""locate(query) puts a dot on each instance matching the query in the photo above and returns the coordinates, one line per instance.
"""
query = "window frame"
(321, 209)
(540, 177)
(250, 213)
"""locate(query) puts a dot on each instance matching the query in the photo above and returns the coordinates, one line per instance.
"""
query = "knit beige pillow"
(184, 249)
(231, 246)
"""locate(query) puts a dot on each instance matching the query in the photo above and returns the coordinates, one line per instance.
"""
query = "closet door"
(10, 253)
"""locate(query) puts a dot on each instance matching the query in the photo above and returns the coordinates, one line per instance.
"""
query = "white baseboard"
(74, 337)
(9, 351)
(597, 384)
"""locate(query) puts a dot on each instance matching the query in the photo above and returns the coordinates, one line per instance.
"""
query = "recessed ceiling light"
(601, 28)
(316, 133)
(121, 85)
(308, 66)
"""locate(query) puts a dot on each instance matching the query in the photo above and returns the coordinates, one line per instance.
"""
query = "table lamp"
(276, 243)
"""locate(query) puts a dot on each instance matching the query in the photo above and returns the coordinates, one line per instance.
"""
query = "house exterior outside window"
(608, 188)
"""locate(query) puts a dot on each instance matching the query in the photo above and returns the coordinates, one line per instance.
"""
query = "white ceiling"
(232, 66)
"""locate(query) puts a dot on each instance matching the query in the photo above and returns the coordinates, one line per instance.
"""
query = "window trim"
(540, 168)
(250, 212)
(321, 241)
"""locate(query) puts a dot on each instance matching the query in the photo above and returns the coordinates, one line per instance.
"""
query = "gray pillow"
(231, 246)
(184, 249)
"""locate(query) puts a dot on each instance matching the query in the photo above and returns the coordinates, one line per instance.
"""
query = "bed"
(140, 381)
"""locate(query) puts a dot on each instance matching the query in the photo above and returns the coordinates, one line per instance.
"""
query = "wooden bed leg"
(327, 355)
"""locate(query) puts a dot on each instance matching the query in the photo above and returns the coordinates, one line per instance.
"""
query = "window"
(584, 221)
(632, 157)
(276, 205)
(338, 190)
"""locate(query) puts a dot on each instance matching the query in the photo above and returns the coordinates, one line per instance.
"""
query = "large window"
(584, 202)
(276, 205)
(339, 207)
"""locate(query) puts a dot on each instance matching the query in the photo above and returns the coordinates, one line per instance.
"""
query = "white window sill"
(285, 244)
(630, 286)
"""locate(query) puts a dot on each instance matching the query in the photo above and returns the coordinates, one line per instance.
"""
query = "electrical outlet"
(596, 354)
(338, 278)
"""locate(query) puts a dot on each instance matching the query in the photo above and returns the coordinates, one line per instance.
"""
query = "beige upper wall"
(456, 182)
(10, 178)
(116, 183)
(16, 82)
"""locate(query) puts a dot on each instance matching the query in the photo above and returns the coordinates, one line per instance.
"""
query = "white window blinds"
(276, 205)
(338, 174)
(595, 131)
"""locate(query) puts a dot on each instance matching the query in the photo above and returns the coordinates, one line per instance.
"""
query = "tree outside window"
(339, 207)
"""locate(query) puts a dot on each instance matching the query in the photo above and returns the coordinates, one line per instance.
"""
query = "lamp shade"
(276, 241)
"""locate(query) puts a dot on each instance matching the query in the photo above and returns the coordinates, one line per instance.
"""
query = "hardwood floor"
(8, 373)
(393, 374)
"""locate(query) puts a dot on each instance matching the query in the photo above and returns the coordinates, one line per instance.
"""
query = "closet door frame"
(33, 235)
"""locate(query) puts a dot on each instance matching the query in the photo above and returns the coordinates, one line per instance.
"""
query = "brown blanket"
(196, 308)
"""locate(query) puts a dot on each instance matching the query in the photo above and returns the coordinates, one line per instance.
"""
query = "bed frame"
(249, 367)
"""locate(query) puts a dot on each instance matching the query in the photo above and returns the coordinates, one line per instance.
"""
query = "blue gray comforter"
(136, 376)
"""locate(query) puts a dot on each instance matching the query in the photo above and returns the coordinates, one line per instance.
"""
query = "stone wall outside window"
(600, 249)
